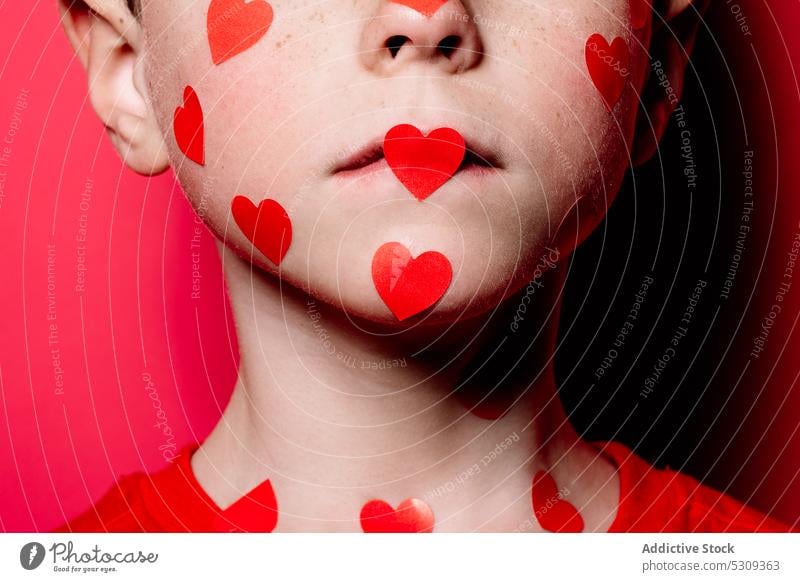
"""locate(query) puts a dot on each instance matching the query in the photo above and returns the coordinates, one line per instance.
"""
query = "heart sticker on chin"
(235, 25)
(411, 516)
(552, 512)
(188, 126)
(426, 7)
(409, 286)
(608, 67)
(423, 164)
(267, 226)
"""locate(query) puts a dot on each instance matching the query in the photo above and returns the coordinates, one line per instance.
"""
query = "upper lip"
(477, 154)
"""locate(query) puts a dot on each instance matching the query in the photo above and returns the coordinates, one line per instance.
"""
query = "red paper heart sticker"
(267, 226)
(189, 128)
(608, 67)
(256, 512)
(423, 164)
(411, 516)
(235, 25)
(640, 13)
(426, 7)
(553, 513)
(409, 286)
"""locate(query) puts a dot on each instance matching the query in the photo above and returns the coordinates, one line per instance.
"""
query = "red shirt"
(651, 500)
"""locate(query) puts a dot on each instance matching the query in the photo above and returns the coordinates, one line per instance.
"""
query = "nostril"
(395, 43)
(448, 45)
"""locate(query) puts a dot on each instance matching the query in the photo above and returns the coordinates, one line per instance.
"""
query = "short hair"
(135, 6)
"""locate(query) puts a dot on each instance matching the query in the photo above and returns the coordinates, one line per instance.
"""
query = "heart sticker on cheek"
(608, 67)
(189, 129)
(426, 7)
(553, 513)
(411, 516)
(267, 226)
(235, 25)
(409, 286)
(423, 164)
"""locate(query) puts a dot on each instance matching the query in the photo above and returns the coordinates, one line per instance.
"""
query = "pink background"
(61, 449)
(136, 315)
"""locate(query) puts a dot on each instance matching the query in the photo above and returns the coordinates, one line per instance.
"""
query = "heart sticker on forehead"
(411, 516)
(426, 7)
(235, 25)
(267, 226)
(608, 67)
(423, 164)
(409, 286)
(189, 128)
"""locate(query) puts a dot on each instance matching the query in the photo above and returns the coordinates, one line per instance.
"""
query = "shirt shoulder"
(120, 509)
(664, 500)
(141, 502)
(172, 500)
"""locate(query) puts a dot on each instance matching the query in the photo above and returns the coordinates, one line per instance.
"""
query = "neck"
(334, 415)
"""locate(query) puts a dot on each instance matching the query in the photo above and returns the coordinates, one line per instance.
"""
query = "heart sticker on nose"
(553, 513)
(188, 127)
(423, 164)
(409, 286)
(426, 7)
(267, 226)
(608, 67)
(411, 516)
(235, 25)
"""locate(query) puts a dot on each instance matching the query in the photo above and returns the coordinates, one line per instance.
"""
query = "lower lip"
(380, 167)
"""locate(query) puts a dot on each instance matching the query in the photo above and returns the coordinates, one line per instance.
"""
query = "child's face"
(290, 117)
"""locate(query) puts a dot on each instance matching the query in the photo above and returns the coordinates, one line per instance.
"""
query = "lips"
(369, 158)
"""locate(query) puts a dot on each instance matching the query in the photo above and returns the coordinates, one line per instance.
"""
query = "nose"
(406, 33)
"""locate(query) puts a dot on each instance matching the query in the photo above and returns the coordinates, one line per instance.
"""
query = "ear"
(108, 41)
(675, 27)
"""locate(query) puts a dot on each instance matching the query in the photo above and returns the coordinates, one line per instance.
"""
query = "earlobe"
(111, 55)
(672, 41)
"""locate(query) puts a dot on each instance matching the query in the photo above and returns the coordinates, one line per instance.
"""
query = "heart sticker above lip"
(267, 226)
(235, 25)
(411, 516)
(426, 7)
(553, 513)
(409, 286)
(608, 67)
(423, 164)
(188, 126)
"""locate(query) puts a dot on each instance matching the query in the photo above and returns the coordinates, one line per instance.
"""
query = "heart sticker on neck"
(409, 286)
(235, 25)
(267, 226)
(256, 512)
(411, 516)
(423, 164)
(189, 128)
(553, 513)
(608, 67)
(426, 7)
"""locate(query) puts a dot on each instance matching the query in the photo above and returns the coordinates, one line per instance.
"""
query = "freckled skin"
(277, 115)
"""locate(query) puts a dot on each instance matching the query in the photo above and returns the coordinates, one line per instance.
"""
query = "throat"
(336, 418)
